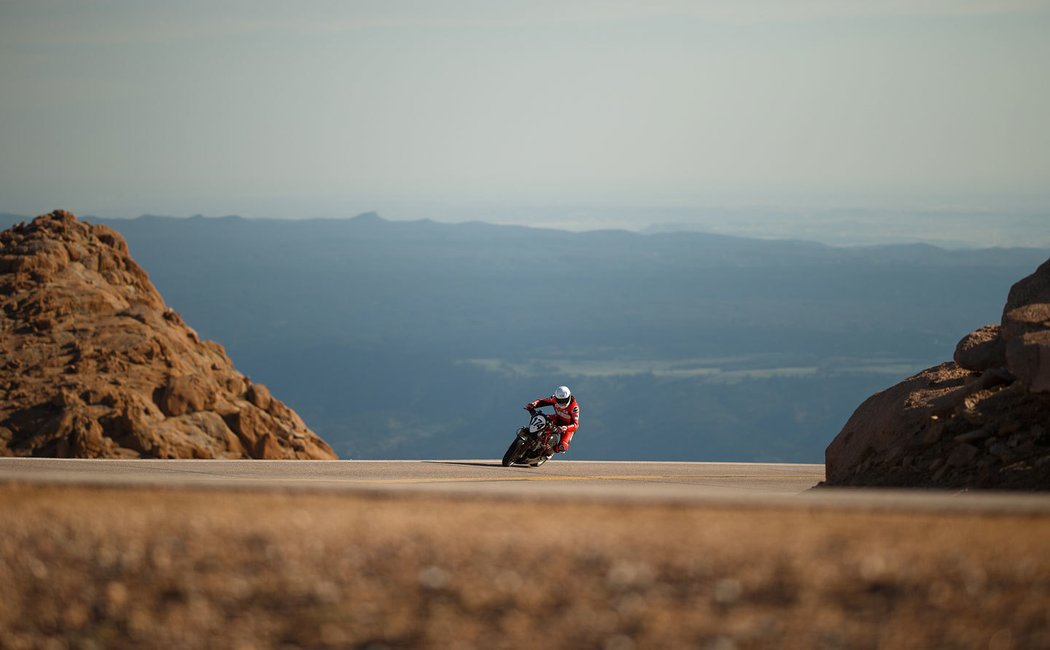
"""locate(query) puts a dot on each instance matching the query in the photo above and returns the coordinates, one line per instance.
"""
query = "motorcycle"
(533, 444)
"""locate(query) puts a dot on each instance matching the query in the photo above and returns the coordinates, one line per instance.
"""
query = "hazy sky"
(330, 108)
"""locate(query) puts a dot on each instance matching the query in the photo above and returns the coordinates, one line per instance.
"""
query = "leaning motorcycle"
(534, 444)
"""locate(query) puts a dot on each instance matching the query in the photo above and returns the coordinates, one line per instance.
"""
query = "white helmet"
(562, 395)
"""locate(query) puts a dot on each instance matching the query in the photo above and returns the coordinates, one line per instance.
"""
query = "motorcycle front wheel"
(512, 452)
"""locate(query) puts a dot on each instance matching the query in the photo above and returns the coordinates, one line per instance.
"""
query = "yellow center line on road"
(479, 479)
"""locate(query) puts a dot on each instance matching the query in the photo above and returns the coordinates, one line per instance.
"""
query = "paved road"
(556, 477)
(761, 484)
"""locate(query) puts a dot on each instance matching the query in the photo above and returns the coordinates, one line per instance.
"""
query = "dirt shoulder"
(112, 568)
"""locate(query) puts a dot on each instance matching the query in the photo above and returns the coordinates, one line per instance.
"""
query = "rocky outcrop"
(1026, 330)
(94, 365)
(981, 349)
(982, 421)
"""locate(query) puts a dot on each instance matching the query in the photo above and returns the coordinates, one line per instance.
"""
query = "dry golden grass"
(113, 568)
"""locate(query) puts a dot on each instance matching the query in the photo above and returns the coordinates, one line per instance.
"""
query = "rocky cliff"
(982, 420)
(94, 365)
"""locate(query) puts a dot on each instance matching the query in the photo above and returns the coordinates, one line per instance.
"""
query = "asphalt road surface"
(762, 484)
(653, 480)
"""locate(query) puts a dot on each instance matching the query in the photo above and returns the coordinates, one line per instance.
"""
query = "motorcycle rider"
(566, 415)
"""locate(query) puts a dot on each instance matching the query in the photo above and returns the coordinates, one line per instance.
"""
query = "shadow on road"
(471, 463)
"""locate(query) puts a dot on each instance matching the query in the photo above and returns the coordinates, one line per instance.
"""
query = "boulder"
(186, 394)
(895, 419)
(95, 365)
(1030, 290)
(981, 349)
(1026, 330)
(977, 422)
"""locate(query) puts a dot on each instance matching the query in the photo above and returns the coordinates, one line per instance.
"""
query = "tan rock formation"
(1026, 330)
(982, 421)
(94, 364)
(981, 349)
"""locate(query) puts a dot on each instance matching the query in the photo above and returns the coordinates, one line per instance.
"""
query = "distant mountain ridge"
(666, 231)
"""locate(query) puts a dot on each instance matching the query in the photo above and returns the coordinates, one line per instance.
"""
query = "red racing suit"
(567, 417)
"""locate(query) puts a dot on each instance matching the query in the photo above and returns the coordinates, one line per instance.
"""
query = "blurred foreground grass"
(129, 568)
